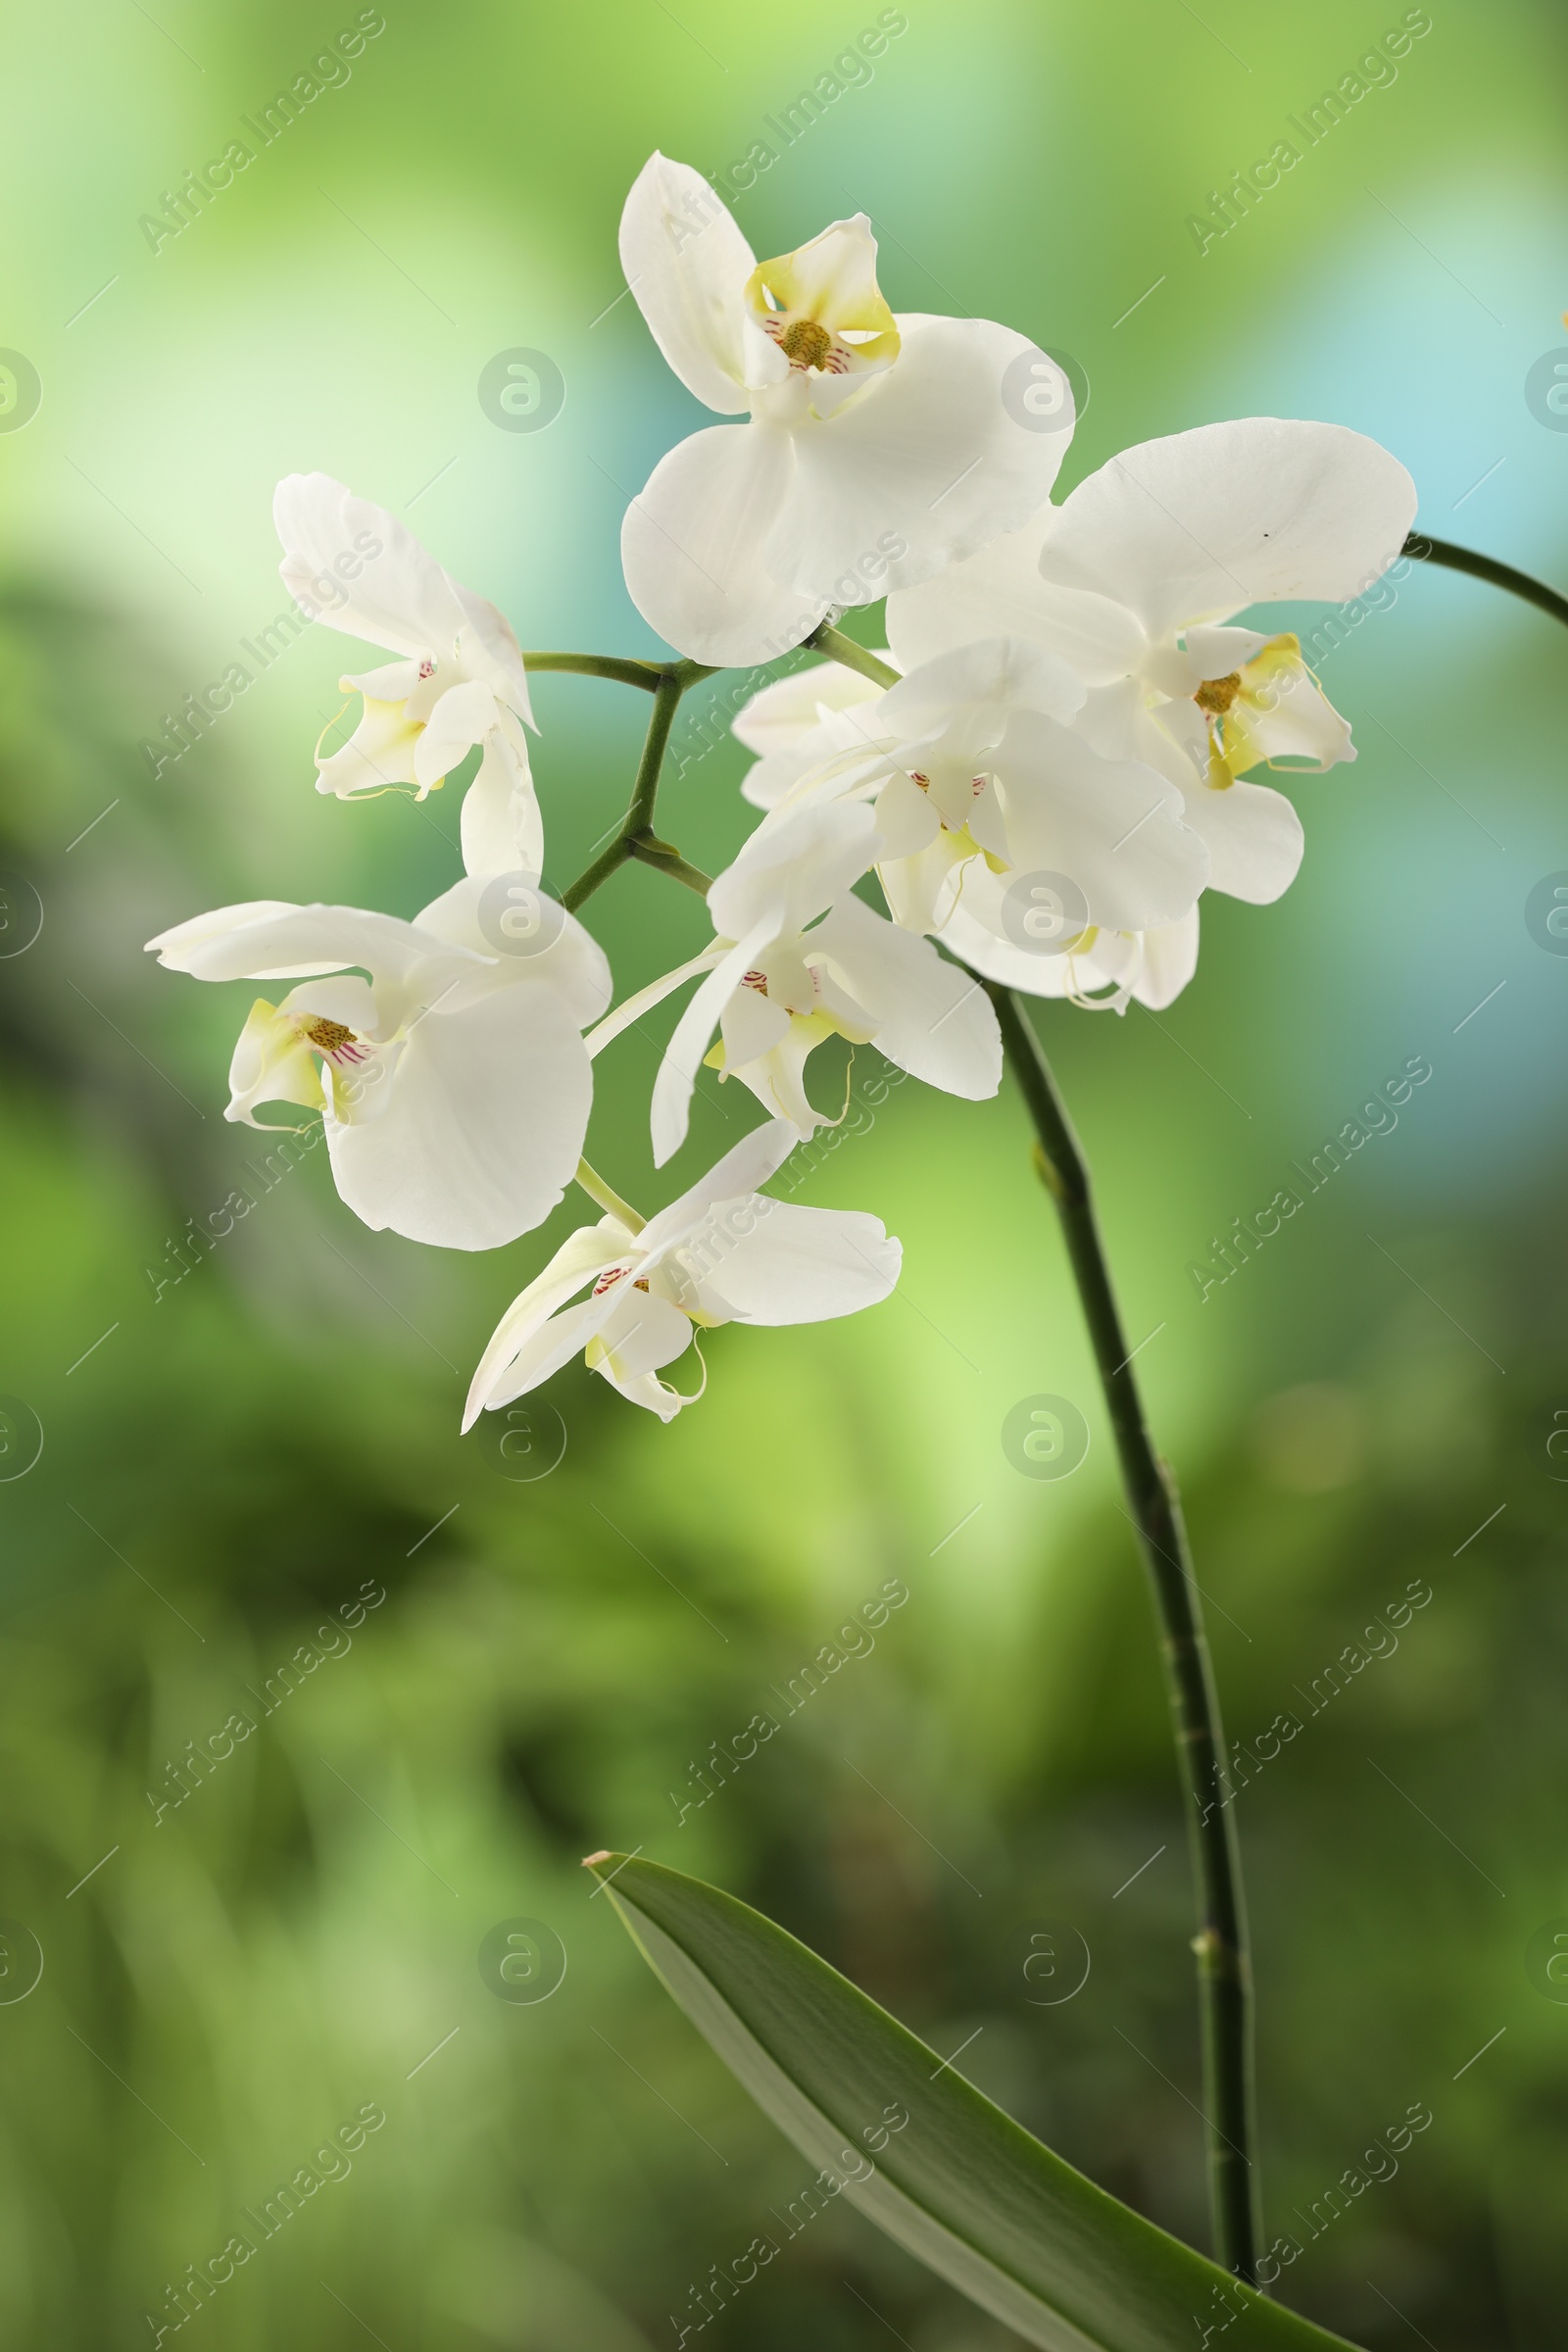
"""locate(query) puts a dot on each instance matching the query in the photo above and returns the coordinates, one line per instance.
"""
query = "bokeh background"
(228, 1462)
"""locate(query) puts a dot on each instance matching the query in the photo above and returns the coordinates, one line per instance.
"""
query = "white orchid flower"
(878, 448)
(1132, 579)
(799, 959)
(459, 679)
(454, 1082)
(995, 812)
(723, 1253)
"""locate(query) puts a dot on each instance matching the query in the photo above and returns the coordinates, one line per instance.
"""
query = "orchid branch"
(1223, 1966)
(635, 837)
(844, 649)
(1485, 568)
(600, 665)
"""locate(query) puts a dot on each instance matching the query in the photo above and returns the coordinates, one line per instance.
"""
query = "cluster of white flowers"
(1046, 788)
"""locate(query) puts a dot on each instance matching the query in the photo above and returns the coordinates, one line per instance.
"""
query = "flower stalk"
(1224, 1970)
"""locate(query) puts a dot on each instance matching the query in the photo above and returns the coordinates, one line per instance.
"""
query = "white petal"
(175, 946)
(689, 547)
(1113, 827)
(687, 265)
(1000, 592)
(399, 597)
(503, 831)
(582, 1256)
(488, 650)
(629, 1014)
(918, 470)
(750, 1026)
(746, 1165)
(933, 1020)
(806, 1265)
(1169, 960)
(237, 943)
(790, 708)
(1201, 525)
(571, 961)
(644, 1334)
(775, 776)
(694, 1034)
(793, 867)
(459, 721)
(974, 687)
(484, 1129)
(1254, 837)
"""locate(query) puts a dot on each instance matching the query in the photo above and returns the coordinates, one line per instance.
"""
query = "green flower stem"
(842, 648)
(1224, 1972)
(635, 836)
(669, 860)
(594, 1185)
(1485, 568)
(600, 665)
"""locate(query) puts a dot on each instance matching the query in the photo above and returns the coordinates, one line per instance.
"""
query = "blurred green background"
(228, 1463)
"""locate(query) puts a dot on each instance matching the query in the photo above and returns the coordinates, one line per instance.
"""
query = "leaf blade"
(960, 2185)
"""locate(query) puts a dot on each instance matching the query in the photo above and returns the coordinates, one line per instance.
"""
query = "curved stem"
(597, 1190)
(600, 665)
(669, 860)
(1224, 1972)
(1487, 568)
(842, 648)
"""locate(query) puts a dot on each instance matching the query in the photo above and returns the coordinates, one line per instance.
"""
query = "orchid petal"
(687, 263)
(1201, 525)
(483, 1127)
(689, 548)
(806, 1265)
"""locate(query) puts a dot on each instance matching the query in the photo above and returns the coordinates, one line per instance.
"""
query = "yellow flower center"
(1216, 694)
(330, 1037)
(805, 343)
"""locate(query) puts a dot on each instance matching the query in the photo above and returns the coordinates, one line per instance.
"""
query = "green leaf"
(958, 2183)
